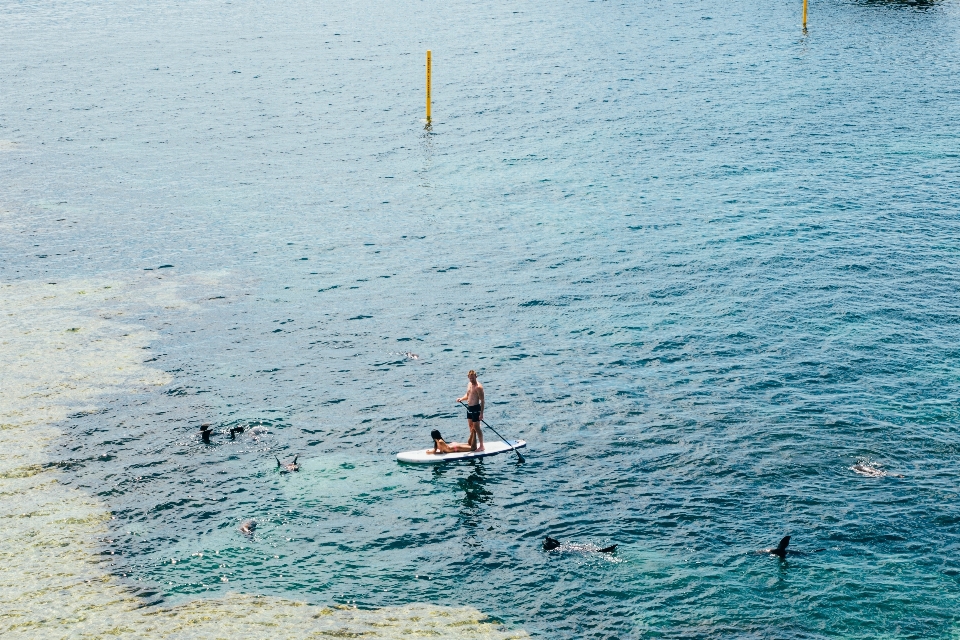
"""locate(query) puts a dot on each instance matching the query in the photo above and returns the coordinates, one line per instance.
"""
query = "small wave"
(408, 355)
(586, 549)
(870, 470)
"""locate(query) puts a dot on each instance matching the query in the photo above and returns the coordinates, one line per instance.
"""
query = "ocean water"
(705, 263)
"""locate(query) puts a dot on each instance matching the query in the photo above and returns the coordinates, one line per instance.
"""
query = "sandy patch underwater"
(69, 347)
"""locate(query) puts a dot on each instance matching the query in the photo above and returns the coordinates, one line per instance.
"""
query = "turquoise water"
(703, 262)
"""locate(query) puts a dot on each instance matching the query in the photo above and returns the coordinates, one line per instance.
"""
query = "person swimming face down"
(439, 446)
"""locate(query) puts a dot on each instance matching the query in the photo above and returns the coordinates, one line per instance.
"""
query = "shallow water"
(704, 263)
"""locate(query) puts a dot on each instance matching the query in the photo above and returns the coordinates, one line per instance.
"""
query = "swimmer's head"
(436, 435)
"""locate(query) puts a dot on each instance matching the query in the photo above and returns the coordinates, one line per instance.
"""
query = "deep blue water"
(703, 262)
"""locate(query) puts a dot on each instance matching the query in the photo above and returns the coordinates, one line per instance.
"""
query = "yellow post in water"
(428, 83)
(804, 22)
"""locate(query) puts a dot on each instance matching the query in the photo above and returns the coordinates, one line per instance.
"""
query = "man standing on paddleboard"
(475, 404)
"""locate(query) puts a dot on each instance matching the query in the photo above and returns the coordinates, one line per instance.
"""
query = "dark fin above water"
(782, 552)
(549, 544)
(781, 549)
(609, 549)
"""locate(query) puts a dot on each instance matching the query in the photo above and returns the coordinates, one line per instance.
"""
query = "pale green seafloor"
(69, 347)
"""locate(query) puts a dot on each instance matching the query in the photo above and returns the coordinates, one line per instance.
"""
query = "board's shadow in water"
(474, 487)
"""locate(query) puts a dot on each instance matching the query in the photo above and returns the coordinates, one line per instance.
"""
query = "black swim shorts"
(473, 413)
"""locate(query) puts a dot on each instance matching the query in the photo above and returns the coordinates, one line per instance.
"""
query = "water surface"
(703, 262)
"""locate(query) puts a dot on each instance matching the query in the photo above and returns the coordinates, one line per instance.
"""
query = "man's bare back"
(475, 405)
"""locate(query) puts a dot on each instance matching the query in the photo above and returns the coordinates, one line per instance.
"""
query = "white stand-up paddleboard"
(492, 448)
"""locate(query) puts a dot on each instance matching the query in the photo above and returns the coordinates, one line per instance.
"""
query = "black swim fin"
(550, 544)
(781, 549)
(609, 549)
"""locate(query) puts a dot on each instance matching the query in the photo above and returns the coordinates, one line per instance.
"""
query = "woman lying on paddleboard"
(439, 446)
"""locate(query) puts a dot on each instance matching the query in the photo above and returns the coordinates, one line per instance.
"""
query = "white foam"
(870, 470)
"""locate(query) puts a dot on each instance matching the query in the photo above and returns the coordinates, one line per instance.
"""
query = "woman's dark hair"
(436, 435)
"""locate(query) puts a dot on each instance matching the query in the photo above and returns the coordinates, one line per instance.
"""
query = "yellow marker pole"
(804, 23)
(428, 83)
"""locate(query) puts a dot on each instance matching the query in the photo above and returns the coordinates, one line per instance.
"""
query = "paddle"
(519, 457)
